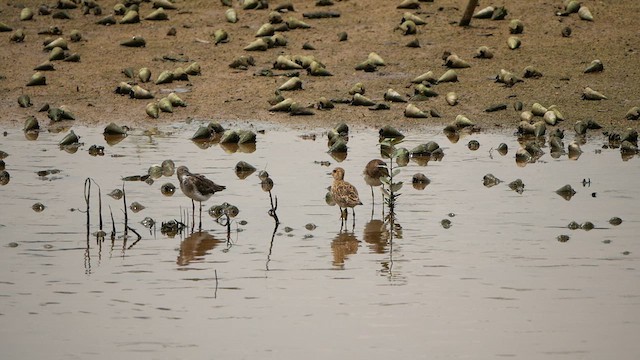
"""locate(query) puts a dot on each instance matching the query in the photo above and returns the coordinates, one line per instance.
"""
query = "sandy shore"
(224, 94)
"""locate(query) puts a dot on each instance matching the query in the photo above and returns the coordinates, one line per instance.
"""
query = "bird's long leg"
(373, 203)
(200, 223)
(353, 211)
(193, 214)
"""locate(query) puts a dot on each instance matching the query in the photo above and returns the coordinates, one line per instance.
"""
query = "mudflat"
(221, 93)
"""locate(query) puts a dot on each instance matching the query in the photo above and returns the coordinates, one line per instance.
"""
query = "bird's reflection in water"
(195, 247)
(343, 245)
(376, 235)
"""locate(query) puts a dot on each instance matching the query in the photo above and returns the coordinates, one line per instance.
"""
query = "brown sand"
(223, 94)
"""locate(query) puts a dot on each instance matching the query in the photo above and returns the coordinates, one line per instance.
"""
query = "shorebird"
(344, 194)
(197, 188)
(374, 170)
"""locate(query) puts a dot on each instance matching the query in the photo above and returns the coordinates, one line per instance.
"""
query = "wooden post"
(468, 13)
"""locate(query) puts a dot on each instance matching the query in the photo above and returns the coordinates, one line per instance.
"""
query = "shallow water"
(497, 283)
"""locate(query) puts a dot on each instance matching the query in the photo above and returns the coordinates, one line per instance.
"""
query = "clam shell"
(531, 72)
(59, 42)
(633, 113)
(31, 124)
(158, 14)
(296, 109)
(284, 63)
(389, 132)
(539, 129)
(462, 121)
(26, 14)
(516, 26)
(114, 129)
(455, 62)
(164, 4)
(176, 100)
(24, 101)
(266, 29)
(503, 149)
(393, 96)
(338, 146)
(75, 57)
(566, 192)
(415, 18)
(152, 110)
(490, 180)
(451, 98)
(220, 36)
(572, 6)
(538, 110)
(56, 54)
(594, 66)
(408, 27)
(590, 94)
(283, 105)
(164, 105)
(45, 66)
(246, 137)
(229, 136)
(257, 45)
(324, 104)
(193, 69)
(409, 4)
(137, 92)
(165, 77)
(294, 23)
(136, 41)
(412, 111)
(585, 14)
(292, 84)
(514, 42)
(231, 16)
(17, 36)
(107, 20)
(484, 13)
(131, 17)
(144, 74)
(556, 145)
(358, 88)
(423, 90)
(375, 59)
(70, 139)
(361, 100)
(448, 76)
(574, 150)
(483, 52)
(243, 169)
(429, 77)
(580, 127)
(37, 79)
(550, 117)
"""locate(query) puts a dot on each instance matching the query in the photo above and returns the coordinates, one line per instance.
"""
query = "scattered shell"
(31, 124)
(70, 139)
(426, 77)
(158, 14)
(585, 14)
(485, 13)
(590, 94)
(633, 113)
(113, 129)
(292, 84)
(136, 41)
(452, 98)
(566, 192)
(483, 52)
(516, 26)
(448, 76)
(136, 207)
(531, 72)
(231, 16)
(131, 17)
(393, 96)
(490, 180)
(594, 66)
(257, 45)
(563, 238)
(615, 221)
(361, 100)
(152, 110)
(517, 186)
(17, 36)
(514, 42)
(37, 79)
(455, 62)
(4, 177)
(412, 111)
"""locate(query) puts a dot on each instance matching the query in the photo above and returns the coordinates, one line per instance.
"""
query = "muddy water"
(496, 283)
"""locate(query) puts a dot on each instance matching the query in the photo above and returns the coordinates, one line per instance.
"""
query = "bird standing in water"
(197, 188)
(373, 171)
(344, 194)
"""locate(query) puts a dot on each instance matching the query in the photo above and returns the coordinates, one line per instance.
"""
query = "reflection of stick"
(87, 198)
(215, 294)
(138, 239)
(273, 236)
(113, 225)
(126, 215)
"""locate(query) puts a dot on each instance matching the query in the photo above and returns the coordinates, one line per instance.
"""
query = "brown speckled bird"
(344, 194)
(373, 171)
(197, 188)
